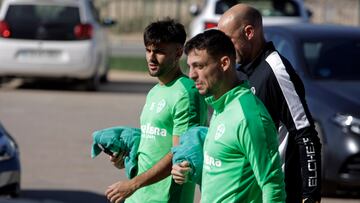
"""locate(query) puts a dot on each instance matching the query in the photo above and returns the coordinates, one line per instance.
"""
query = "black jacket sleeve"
(286, 95)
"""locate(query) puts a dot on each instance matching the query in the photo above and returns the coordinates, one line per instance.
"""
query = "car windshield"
(333, 59)
(42, 22)
(266, 7)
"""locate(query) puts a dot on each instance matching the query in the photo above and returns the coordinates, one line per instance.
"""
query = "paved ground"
(47, 120)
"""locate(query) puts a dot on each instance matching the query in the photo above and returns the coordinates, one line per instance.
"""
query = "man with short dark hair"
(241, 160)
(172, 106)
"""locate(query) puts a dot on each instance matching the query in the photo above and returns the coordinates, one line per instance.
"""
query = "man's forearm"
(159, 171)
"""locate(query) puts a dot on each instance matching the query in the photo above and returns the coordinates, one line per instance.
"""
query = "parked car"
(58, 39)
(9, 165)
(273, 12)
(326, 57)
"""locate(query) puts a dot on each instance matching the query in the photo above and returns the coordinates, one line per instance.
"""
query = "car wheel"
(91, 84)
(16, 192)
(10, 191)
(4, 80)
(104, 77)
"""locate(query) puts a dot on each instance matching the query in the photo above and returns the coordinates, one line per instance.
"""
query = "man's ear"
(225, 63)
(179, 51)
(249, 31)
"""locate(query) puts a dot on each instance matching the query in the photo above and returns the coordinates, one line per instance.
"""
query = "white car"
(59, 39)
(273, 12)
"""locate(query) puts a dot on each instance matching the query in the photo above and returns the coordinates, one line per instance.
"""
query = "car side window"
(286, 8)
(275, 8)
(283, 46)
(223, 5)
(333, 59)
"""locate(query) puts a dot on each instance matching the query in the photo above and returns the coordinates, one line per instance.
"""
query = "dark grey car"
(327, 58)
(10, 170)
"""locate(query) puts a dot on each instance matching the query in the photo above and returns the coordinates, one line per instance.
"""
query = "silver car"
(59, 39)
(274, 12)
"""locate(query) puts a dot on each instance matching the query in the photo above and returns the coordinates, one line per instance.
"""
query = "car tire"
(11, 190)
(104, 77)
(91, 84)
(16, 192)
(4, 80)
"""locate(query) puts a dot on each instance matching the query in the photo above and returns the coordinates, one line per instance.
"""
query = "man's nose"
(192, 73)
(150, 55)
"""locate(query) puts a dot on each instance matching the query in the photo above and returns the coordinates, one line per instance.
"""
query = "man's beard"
(156, 73)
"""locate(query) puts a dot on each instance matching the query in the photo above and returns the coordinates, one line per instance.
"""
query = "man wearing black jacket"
(273, 79)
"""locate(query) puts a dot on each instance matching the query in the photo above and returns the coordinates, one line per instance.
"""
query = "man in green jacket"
(172, 106)
(241, 159)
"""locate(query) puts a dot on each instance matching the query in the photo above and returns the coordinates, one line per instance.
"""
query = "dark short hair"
(215, 42)
(164, 31)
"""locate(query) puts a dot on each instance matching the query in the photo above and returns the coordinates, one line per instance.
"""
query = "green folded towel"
(119, 139)
(191, 149)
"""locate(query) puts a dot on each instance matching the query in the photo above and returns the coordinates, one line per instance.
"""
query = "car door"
(101, 40)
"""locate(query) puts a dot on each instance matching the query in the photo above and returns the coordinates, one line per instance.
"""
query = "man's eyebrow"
(196, 63)
(155, 48)
(159, 49)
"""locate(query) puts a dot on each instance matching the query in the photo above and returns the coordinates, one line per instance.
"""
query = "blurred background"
(133, 15)
(71, 67)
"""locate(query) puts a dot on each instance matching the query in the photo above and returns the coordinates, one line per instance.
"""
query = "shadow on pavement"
(57, 196)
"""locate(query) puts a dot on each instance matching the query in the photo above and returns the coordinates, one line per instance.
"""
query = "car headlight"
(7, 148)
(348, 122)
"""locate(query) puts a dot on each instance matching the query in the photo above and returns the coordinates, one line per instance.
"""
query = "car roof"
(310, 30)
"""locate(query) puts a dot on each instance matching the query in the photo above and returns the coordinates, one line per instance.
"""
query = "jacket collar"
(249, 68)
(226, 98)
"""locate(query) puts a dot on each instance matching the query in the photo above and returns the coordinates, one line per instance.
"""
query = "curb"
(122, 75)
